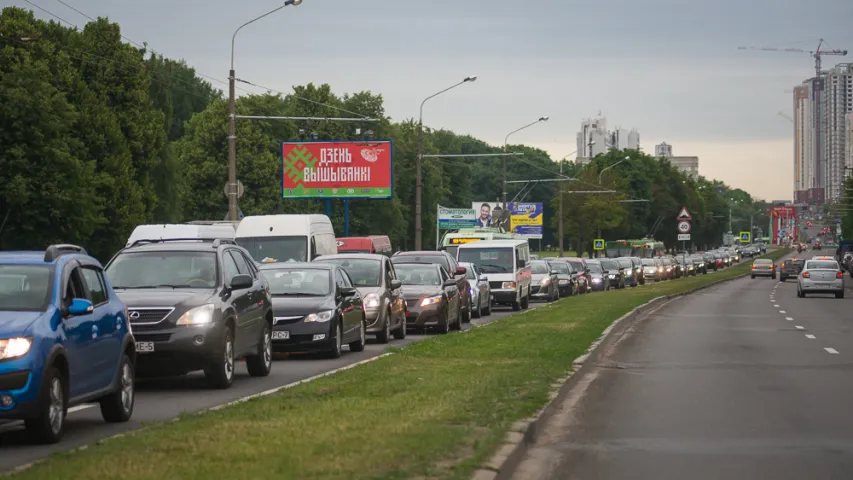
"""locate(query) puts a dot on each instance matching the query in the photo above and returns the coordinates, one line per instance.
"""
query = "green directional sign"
(598, 244)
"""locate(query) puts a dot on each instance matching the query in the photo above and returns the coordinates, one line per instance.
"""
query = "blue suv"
(64, 340)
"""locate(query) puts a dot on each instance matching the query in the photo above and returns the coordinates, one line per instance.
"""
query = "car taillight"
(753, 267)
(806, 275)
(839, 275)
(772, 267)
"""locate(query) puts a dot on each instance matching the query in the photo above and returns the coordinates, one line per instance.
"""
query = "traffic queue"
(203, 295)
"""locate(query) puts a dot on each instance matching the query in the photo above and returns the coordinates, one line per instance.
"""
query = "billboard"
(337, 169)
(783, 224)
(525, 219)
(456, 218)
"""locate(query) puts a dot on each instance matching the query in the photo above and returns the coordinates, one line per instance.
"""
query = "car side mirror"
(484, 278)
(348, 292)
(461, 270)
(395, 284)
(606, 272)
(241, 281)
(449, 283)
(80, 306)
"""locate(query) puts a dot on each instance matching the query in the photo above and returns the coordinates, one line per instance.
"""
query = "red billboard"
(783, 220)
(337, 169)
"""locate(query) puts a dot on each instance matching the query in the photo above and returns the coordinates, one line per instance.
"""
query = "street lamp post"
(751, 224)
(608, 168)
(506, 139)
(560, 214)
(419, 164)
(232, 113)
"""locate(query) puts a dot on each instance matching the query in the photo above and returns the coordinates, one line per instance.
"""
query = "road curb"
(502, 464)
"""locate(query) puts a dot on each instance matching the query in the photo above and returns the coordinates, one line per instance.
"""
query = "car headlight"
(431, 301)
(612, 276)
(596, 280)
(545, 281)
(564, 282)
(508, 285)
(371, 301)
(14, 347)
(202, 315)
(320, 316)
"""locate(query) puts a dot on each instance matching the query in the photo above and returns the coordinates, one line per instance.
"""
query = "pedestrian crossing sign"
(745, 237)
(598, 244)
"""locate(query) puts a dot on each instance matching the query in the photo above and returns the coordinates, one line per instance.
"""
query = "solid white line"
(812, 337)
(790, 319)
(799, 327)
(831, 350)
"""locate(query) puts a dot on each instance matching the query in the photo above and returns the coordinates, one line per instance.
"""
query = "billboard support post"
(329, 207)
(346, 217)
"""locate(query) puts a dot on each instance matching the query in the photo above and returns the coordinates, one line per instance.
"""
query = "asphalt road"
(743, 380)
(161, 400)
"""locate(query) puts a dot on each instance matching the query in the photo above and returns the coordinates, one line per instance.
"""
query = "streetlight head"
(292, 2)
(544, 119)
(592, 142)
(472, 78)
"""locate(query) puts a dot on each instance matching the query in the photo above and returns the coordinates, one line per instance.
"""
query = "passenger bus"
(451, 241)
(644, 248)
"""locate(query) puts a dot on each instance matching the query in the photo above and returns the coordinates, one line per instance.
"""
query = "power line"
(302, 98)
(52, 14)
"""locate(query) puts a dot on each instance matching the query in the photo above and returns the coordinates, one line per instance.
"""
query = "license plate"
(823, 285)
(144, 347)
(280, 335)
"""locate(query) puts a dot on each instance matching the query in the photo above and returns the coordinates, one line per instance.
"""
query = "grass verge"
(437, 409)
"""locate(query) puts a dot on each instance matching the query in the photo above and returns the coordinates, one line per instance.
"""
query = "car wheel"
(358, 345)
(260, 364)
(478, 312)
(752, 276)
(457, 325)
(525, 302)
(337, 348)
(466, 315)
(516, 306)
(220, 374)
(488, 309)
(839, 294)
(385, 335)
(117, 407)
(444, 327)
(48, 425)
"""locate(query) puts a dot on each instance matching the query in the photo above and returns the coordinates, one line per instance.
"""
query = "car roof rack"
(216, 241)
(55, 251)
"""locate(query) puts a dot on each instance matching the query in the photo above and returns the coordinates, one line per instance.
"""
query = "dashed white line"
(782, 312)
(790, 319)
(811, 337)
(831, 350)
(799, 327)
(776, 306)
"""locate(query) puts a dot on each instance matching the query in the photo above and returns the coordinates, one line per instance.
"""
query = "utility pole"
(232, 117)
(506, 139)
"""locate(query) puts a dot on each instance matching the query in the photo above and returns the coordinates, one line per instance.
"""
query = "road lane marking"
(790, 319)
(776, 306)
(831, 351)
(811, 337)
(799, 327)
(782, 312)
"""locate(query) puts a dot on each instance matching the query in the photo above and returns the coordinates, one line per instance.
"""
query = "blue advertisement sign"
(526, 219)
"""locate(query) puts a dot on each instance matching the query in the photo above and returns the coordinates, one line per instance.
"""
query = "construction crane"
(785, 116)
(817, 54)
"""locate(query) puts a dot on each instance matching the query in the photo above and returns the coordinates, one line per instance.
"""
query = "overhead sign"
(684, 237)
(462, 240)
(684, 214)
(337, 169)
(745, 237)
(525, 219)
(684, 227)
(456, 218)
(598, 244)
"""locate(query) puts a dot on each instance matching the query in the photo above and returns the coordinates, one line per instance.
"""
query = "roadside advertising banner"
(456, 218)
(337, 169)
(526, 219)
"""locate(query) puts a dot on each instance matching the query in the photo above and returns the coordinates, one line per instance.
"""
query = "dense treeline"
(98, 136)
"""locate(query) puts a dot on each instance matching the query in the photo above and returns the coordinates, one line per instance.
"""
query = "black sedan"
(615, 273)
(316, 308)
(432, 298)
(600, 281)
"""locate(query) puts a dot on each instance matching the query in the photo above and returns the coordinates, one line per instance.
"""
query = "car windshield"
(539, 268)
(625, 263)
(155, 269)
(362, 272)
(763, 262)
(489, 260)
(561, 268)
(594, 268)
(25, 288)
(650, 262)
(609, 265)
(414, 274)
(435, 259)
(276, 249)
(798, 263)
(822, 265)
(577, 266)
(298, 281)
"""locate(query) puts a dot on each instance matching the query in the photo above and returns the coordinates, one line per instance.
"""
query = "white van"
(506, 264)
(181, 230)
(287, 238)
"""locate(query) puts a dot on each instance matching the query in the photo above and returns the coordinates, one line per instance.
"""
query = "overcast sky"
(670, 68)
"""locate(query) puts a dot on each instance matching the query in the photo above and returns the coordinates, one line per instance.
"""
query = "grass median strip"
(437, 409)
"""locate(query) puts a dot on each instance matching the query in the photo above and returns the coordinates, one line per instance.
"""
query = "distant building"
(837, 104)
(594, 139)
(848, 157)
(663, 149)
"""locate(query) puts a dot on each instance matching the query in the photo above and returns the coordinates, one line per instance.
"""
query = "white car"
(820, 276)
